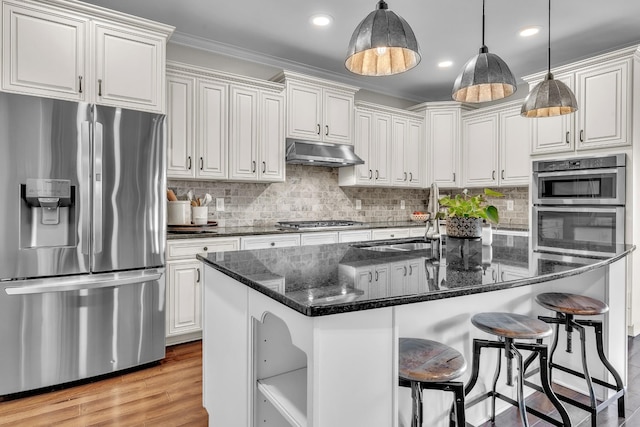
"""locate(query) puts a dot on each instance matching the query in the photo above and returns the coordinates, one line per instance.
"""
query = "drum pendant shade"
(485, 77)
(549, 97)
(382, 44)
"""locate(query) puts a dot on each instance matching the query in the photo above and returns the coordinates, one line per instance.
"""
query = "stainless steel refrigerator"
(82, 240)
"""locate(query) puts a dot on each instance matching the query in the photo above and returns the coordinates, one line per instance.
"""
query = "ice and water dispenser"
(47, 213)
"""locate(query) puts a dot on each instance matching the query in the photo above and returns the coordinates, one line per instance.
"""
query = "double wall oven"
(579, 205)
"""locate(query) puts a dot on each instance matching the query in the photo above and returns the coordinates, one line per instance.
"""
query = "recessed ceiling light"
(321, 20)
(529, 31)
(445, 64)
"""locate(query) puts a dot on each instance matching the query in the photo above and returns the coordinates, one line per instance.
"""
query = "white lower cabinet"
(184, 285)
(307, 239)
(269, 241)
(354, 236)
(390, 233)
(372, 280)
(407, 277)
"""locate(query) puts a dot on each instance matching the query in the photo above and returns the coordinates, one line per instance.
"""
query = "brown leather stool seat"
(509, 327)
(566, 306)
(426, 364)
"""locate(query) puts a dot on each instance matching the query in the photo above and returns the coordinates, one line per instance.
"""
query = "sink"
(395, 247)
(416, 246)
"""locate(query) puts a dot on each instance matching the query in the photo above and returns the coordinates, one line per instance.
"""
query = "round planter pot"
(464, 227)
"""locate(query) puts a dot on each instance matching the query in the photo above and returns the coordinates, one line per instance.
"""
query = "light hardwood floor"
(167, 394)
(170, 394)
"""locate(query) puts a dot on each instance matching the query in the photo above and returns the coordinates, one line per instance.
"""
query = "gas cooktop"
(297, 225)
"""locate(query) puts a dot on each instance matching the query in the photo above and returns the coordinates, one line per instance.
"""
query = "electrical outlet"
(401, 204)
(358, 204)
(509, 240)
(220, 204)
(509, 205)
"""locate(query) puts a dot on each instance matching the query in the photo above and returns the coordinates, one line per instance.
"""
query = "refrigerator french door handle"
(97, 188)
(85, 171)
(76, 283)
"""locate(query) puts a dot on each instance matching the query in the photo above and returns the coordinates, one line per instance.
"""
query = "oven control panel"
(616, 160)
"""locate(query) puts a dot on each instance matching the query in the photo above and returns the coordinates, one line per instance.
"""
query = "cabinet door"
(211, 159)
(479, 150)
(414, 160)
(43, 53)
(364, 281)
(338, 117)
(602, 116)
(444, 146)
(363, 144)
(308, 239)
(398, 272)
(390, 233)
(243, 135)
(304, 107)
(399, 136)
(271, 140)
(417, 277)
(380, 283)
(515, 140)
(554, 134)
(381, 149)
(130, 68)
(354, 236)
(184, 312)
(180, 127)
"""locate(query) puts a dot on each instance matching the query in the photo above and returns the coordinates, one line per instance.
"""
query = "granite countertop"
(208, 232)
(337, 278)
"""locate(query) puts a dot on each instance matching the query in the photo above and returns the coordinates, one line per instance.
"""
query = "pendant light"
(485, 77)
(382, 44)
(549, 97)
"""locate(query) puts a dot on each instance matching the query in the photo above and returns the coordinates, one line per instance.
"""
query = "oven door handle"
(576, 172)
(576, 208)
(76, 283)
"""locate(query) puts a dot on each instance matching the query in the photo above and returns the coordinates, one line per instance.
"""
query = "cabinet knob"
(273, 243)
(370, 277)
(493, 175)
(370, 174)
(318, 128)
(566, 137)
(264, 167)
(502, 174)
(189, 162)
(377, 276)
(410, 176)
(405, 270)
(326, 131)
(581, 135)
(206, 248)
(410, 270)
(99, 87)
(198, 278)
(454, 177)
(405, 176)
(253, 166)
(201, 163)
(79, 84)
(377, 174)
(393, 235)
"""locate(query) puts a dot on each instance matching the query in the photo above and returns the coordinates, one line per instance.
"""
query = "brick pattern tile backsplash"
(312, 193)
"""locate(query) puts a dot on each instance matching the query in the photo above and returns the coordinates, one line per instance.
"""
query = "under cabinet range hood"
(313, 153)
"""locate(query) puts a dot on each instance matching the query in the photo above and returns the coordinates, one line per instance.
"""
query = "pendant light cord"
(483, 22)
(549, 41)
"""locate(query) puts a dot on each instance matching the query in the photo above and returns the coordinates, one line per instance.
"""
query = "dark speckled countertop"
(212, 231)
(337, 278)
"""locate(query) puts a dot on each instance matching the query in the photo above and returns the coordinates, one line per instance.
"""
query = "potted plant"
(466, 213)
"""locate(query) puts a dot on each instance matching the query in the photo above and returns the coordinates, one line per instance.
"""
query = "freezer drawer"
(63, 330)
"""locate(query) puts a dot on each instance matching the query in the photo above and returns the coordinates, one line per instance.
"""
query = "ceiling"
(278, 33)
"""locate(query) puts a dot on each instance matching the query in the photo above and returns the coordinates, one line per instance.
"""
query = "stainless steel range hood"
(313, 153)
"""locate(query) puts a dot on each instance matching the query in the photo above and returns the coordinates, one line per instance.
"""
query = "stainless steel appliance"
(314, 153)
(82, 226)
(299, 225)
(579, 205)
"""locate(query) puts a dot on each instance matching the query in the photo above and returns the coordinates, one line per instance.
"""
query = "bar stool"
(426, 364)
(509, 327)
(567, 306)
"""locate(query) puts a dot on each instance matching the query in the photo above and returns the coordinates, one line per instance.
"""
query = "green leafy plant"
(464, 205)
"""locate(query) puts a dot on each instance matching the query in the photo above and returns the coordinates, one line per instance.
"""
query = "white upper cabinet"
(480, 150)
(318, 110)
(603, 88)
(129, 67)
(83, 54)
(33, 36)
(391, 143)
(407, 152)
(495, 145)
(180, 126)
(256, 136)
(234, 130)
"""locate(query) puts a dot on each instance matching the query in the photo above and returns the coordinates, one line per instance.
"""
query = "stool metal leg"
(545, 378)
(521, 405)
(475, 369)
(458, 395)
(600, 346)
(587, 376)
(496, 375)
(416, 410)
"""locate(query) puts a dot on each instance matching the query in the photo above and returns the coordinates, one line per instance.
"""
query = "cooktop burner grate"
(317, 224)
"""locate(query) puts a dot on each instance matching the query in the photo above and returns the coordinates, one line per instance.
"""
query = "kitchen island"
(308, 335)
